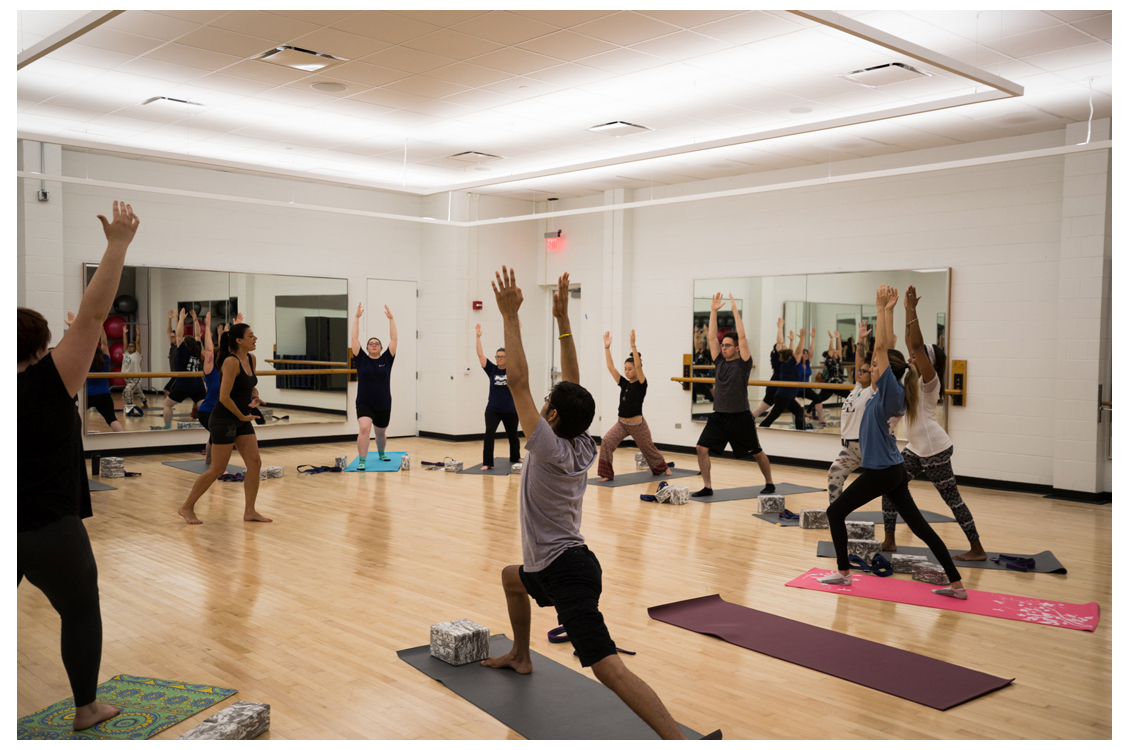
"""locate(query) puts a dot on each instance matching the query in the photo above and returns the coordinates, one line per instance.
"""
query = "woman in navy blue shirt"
(883, 470)
(500, 405)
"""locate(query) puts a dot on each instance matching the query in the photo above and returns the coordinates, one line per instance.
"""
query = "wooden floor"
(306, 614)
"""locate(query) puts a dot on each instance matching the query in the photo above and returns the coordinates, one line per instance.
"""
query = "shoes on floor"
(834, 578)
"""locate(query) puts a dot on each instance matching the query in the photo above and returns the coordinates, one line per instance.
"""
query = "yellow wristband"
(563, 336)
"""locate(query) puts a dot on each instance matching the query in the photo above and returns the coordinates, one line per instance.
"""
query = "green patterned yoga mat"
(148, 706)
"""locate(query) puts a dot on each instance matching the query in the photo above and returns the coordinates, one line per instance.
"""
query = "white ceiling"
(526, 85)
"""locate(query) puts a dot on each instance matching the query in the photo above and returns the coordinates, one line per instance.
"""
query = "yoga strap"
(231, 477)
(133, 473)
(558, 635)
(879, 566)
(651, 498)
(1015, 562)
(309, 469)
(788, 515)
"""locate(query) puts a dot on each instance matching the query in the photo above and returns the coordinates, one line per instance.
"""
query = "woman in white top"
(850, 459)
(929, 449)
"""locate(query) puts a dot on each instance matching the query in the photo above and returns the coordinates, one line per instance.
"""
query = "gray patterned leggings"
(938, 470)
(848, 461)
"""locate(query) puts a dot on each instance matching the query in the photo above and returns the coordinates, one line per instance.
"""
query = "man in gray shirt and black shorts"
(731, 421)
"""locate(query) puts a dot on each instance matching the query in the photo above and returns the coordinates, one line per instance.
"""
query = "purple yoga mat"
(917, 678)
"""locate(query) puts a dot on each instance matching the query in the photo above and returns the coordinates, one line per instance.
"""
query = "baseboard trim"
(151, 450)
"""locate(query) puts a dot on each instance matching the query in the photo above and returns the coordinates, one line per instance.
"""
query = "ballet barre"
(305, 362)
(260, 373)
(802, 385)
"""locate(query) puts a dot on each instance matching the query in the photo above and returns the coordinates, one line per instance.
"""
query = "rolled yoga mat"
(904, 674)
(744, 493)
(1046, 562)
(874, 516)
(373, 462)
(551, 703)
(1022, 608)
(501, 468)
(643, 477)
(197, 466)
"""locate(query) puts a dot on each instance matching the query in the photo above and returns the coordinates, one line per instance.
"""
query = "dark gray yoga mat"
(643, 477)
(744, 493)
(874, 516)
(99, 487)
(1046, 562)
(501, 468)
(197, 466)
(551, 703)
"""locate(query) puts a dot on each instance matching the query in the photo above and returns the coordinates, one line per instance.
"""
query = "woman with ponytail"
(883, 470)
(929, 449)
(230, 423)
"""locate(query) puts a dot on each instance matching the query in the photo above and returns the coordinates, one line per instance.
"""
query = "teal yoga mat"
(373, 462)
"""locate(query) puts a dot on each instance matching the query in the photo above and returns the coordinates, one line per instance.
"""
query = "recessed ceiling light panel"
(618, 128)
(474, 157)
(298, 58)
(881, 75)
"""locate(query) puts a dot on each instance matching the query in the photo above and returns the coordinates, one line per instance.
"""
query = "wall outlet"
(678, 425)
(467, 370)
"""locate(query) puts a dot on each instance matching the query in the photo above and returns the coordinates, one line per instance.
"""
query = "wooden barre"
(261, 373)
(305, 362)
(798, 384)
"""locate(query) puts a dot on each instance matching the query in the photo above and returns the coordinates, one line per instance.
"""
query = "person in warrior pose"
(374, 390)
(500, 404)
(630, 421)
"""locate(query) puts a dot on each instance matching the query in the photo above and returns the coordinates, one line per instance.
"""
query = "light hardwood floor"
(307, 613)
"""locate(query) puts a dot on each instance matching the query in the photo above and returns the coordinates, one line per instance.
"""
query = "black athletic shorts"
(571, 585)
(203, 417)
(178, 395)
(224, 428)
(104, 403)
(737, 429)
(380, 418)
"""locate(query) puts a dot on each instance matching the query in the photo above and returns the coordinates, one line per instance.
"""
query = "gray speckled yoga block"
(405, 463)
(187, 425)
(515, 468)
(814, 518)
(450, 465)
(274, 472)
(929, 572)
(641, 462)
(860, 529)
(906, 563)
(112, 467)
(460, 642)
(770, 503)
(239, 721)
(865, 548)
(340, 462)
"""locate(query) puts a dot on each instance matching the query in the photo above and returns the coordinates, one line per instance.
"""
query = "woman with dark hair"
(785, 398)
(374, 392)
(211, 380)
(929, 449)
(833, 373)
(230, 423)
(500, 405)
(883, 469)
(98, 389)
(188, 360)
(629, 420)
(52, 489)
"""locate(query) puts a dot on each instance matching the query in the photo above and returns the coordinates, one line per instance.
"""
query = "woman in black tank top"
(630, 421)
(230, 423)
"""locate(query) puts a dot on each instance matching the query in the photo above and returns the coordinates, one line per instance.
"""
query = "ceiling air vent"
(300, 59)
(618, 128)
(881, 75)
(168, 101)
(474, 157)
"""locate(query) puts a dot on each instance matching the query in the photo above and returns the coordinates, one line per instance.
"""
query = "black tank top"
(631, 398)
(241, 388)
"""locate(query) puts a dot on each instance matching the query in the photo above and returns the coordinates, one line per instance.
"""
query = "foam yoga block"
(186, 425)
(515, 468)
(673, 495)
(906, 563)
(405, 463)
(641, 462)
(274, 472)
(814, 519)
(865, 548)
(263, 475)
(460, 642)
(770, 503)
(239, 721)
(860, 529)
(112, 467)
(452, 465)
(340, 462)
(929, 572)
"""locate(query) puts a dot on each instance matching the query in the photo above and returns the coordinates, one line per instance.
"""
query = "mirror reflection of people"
(851, 412)
(189, 353)
(731, 422)
(374, 386)
(833, 373)
(629, 417)
(500, 404)
(171, 334)
(785, 399)
(52, 488)
(98, 389)
(775, 370)
(131, 362)
(230, 424)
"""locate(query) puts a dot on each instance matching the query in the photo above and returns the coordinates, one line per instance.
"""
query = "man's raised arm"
(570, 370)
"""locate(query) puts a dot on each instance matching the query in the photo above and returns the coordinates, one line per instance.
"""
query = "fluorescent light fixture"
(474, 157)
(167, 102)
(298, 58)
(881, 75)
(618, 128)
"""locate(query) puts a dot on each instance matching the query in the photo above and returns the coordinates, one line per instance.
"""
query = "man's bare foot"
(889, 545)
(188, 515)
(668, 472)
(972, 555)
(93, 713)
(604, 479)
(509, 661)
(254, 516)
(484, 467)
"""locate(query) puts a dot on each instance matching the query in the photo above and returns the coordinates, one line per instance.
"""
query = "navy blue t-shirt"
(500, 399)
(95, 386)
(187, 361)
(788, 370)
(373, 376)
(877, 444)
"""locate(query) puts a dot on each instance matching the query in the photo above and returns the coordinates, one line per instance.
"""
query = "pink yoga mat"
(1023, 608)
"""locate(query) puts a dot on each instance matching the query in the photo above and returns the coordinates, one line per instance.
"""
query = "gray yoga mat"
(744, 493)
(874, 516)
(197, 466)
(501, 468)
(1046, 562)
(99, 487)
(643, 477)
(551, 703)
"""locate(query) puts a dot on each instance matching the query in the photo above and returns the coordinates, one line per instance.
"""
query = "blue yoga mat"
(373, 462)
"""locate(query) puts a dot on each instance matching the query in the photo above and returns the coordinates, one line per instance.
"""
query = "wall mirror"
(830, 303)
(301, 323)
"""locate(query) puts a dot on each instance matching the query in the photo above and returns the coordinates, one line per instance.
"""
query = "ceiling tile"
(564, 19)
(439, 108)
(232, 84)
(370, 75)
(41, 88)
(625, 27)
(388, 98)
(479, 98)
(74, 72)
(688, 19)
(62, 113)
(227, 42)
(622, 61)
(152, 25)
(102, 101)
(264, 25)
(516, 61)
(354, 108)
(408, 60)
(441, 18)
(430, 88)
(468, 74)
(295, 96)
(266, 72)
(162, 71)
(192, 57)
(1071, 16)
(1072, 57)
(448, 43)
(748, 27)
(407, 119)
(522, 87)
(316, 17)
(386, 27)
(567, 45)
(1097, 26)
(340, 43)
(119, 41)
(681, 45)
(504, 27)
(195, 16)
(1045, 40)
(92, 56)
(571, 74)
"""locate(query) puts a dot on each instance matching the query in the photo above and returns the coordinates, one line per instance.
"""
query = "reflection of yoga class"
(325, 434)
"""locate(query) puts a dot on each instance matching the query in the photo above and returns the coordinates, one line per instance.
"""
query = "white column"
(617, 298)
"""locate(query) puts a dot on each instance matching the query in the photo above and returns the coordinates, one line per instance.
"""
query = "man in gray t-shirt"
(732, 422)
(558, 570)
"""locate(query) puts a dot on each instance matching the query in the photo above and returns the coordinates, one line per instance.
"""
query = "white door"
(400, 296)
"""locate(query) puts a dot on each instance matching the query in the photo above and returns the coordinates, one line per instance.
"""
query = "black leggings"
(58, 560)
(510, 422)
(891, 482)
(820, 397)
(780, 405)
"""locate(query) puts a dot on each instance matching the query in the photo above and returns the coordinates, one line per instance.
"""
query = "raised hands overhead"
(716, 303)
(360, 311)
(561, 297)
(507, 295)
(910, 301)
(632, 339)
(388, 313)
(864, 332)
(607, 339)
(70, 319)
(121, 230)
(238, 318)
(478, 331)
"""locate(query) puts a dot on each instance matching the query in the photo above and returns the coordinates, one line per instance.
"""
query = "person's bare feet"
(188, 515)
(889, 545)
(972, 555)
(93, 713)
(604, 479)
(484, 467)
(255, 516)
(668, 472)
(510, 661)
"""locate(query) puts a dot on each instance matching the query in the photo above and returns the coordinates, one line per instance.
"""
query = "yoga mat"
(373, 462)
(644, 477)
(874, 516)
(501, 468)
(197, 466)
(1022, 608)
(148, 706)
(551, 703)
(1046, 562)
(744, 493)
(890, 670)
(99, 487)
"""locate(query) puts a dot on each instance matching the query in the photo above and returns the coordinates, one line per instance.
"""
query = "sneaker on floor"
(768, 489)
(834, 578)
(704, 492)
(361, 464)
(956, 594)
(381, 455)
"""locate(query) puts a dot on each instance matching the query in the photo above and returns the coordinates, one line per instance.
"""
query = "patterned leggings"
(848, 461)
(133, 387)
(641, 433)
(938, 470)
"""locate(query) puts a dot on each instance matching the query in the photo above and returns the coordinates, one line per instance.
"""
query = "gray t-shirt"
(731, 384)
(554, 478)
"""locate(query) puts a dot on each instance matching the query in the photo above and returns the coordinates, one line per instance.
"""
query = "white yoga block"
(865, 548)
(112, 467)
(860, 529)
(263, 475)
(770, 503)
(274, 472)
(673, 495)
(460, 642)
(340, 462)
(515, 468)
(186, 425)
(265, 411)
(906, 563)
(929, 572)
(814, 518)
(641, 462)
(239, 721)
(405, 463)
(451, 464)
